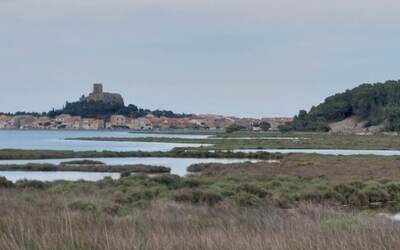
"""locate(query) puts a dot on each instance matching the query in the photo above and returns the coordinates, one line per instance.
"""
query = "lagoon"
(55, 140)
(345, 152)
(178, 165)
(56, 176)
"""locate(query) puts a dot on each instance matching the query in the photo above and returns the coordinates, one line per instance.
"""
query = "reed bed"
(35, 220)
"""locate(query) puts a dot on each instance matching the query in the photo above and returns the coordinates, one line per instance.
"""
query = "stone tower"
(97, 88)
(99, 95)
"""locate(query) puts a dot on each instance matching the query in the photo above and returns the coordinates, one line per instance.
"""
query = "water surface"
(55, 140)
(326, 151)
(56, 176)
(178, 165)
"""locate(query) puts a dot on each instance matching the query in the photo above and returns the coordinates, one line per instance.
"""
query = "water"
(178, 165)
(55, 176)
(54, 140)
(326, 151)
(260, 138)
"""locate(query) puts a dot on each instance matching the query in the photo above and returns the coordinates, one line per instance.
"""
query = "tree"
(265, 126)
(233, 128)
(393, 117)
(103, 110)
(375, 103)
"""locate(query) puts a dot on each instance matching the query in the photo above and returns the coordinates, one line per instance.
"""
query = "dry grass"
(313, 165)
(33, 220)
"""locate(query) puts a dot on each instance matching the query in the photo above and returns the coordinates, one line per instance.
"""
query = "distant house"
(92, 124)
(117, 121)
(140, 124)
(23, 121)
(43, 122)
(5, 122)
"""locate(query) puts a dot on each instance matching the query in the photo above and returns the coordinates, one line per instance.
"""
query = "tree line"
(376, 103)
(103, 110)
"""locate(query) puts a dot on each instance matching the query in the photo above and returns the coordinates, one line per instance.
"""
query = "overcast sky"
(253, 58)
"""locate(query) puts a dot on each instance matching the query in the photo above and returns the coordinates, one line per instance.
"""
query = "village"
(149, 122)
(145, 123)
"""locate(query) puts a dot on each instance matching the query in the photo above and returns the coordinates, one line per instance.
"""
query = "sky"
(247, 58)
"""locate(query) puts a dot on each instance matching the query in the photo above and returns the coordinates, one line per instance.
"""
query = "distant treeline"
(35, 114)
(100, 109)
(377, 103)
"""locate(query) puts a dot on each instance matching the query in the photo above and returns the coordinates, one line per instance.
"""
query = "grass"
(174, 226)
(258, 141)
(334, 168)
(36, 219)
(140, 168)
(283, 191)
(236, 206)
(21, 154)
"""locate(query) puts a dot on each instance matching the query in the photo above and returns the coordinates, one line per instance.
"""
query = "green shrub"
(197, 197)
(346, 190)
(171, 181)
(30, 184)
(282, 200)
(393, 188)
(244, 199)
(358, 199)
(144, 195)
(134, 180)
(83, 206)
(191, 182)
(376, 192)
(125, 174)
(252, 188)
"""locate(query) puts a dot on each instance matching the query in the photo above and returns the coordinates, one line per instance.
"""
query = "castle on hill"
(99, 95)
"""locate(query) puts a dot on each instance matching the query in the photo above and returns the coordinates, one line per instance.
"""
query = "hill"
(376, 104)
(99, 104)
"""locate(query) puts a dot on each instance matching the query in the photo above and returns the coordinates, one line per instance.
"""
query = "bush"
(171, 181)
(348, 189)
(393, 188)
(83, 206)
(30, 184)
(282, 200)
(234, 128)
(376, 192)
(253, 189)
(4, 183)
(358, 199)
(244, 199)
(191, 182)
(125, 174)
(144, 195)
(197, 197)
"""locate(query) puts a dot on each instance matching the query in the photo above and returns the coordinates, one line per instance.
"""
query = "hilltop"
(368, 108)
(103, 105)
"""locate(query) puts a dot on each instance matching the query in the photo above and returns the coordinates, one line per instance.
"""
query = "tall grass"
(51, 223)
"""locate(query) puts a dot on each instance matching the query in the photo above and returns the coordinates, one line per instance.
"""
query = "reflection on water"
(54, 176)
